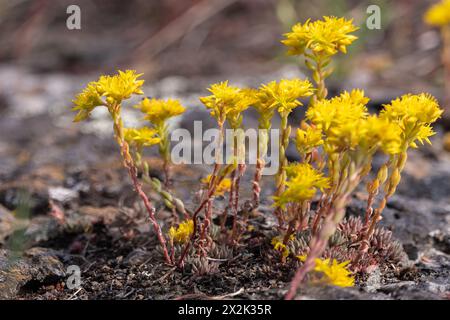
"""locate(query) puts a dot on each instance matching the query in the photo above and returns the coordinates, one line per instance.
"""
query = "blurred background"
(223, 38)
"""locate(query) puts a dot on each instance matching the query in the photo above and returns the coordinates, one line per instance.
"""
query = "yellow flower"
(278, 245)
(334, 273)
(414, 114)
(141, 137)
(322, 37)
(113, 88)
(422, 108)
(282, 95)
(227, 101)
(348, 107)
(439, 14)
(367, 134)
(308, 139)
(157, 111)
(302, 185)
(120, 86)
(86, 101)
(224, 185)
(183, 233)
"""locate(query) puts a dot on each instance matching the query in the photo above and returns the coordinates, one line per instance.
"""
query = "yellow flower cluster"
(227, 102)
(439, 14)
(183, 233)
(414, 114)
(157, 111)
(421, 108)
(322, 37)
(302, 185)
(348, 107)
(367, 134)
(282, 95)
(308, 138)
(120, 87)
(142, 137)
(113, 89)
(221, 188)
(334, 273)
(347, 125)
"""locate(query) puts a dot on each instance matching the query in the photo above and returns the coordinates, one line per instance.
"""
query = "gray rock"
(37, 266)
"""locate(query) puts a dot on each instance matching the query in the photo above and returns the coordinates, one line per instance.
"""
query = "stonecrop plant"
(110, 92)
(337, 142)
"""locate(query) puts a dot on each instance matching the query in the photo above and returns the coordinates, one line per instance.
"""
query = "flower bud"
(382, 174)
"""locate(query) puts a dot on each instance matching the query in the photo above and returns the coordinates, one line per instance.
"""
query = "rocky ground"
(65, 200)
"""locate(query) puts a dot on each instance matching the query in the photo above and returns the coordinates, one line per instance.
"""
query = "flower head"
(348, 107)
(120, 86)
(113, 89)
(302, 185)
(333, 273)
(414, 114)
(157, 111)
(322, 37)
(366, 134)
(283, 95)
(142, 137)
(221, 188)
(422, 108)
(227, 101)
(439, 14)
(183, 233)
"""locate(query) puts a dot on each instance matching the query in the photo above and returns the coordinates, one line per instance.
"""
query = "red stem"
(256, 181)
